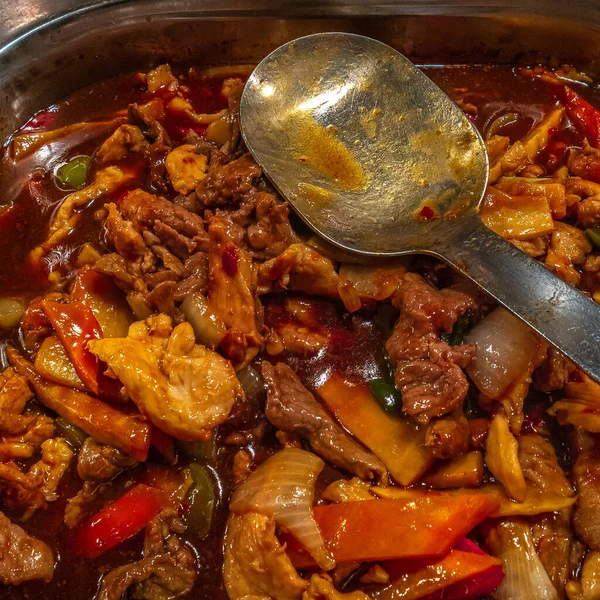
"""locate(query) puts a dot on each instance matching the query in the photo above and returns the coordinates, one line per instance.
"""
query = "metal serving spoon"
(379, 161)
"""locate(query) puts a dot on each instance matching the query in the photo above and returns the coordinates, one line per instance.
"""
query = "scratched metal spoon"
(378, 160)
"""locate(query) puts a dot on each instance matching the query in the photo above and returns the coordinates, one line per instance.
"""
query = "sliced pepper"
(387, 394)
(74, 174)
(119, 521)
(75, 325)
(201, 500)
(367, 530)
(593, 235)
(584, 115)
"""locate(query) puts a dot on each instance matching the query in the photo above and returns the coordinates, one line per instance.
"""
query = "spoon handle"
(560, 313)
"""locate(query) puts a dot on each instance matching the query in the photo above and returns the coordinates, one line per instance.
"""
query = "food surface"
(201, 399)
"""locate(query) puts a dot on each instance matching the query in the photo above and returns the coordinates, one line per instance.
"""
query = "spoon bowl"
(379, 161)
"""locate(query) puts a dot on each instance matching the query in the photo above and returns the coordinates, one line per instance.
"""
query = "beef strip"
(293, 409)
(586, 476)
(448, 437)
(428, 371)
(166, 571)
(22, 557)
(99, 463)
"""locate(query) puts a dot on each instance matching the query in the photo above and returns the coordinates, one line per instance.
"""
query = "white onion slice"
(505, 347)
(283, 487)
(524, 575)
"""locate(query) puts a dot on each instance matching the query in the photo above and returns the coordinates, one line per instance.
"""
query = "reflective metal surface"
(361, 143)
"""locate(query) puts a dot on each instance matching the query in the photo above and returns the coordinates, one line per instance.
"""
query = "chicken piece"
(299, 268)
(255, 564)
(22, 557)
(536, 247)
(186, 168)
(347, 490)
(100, 463)
(227, 184)
(161, 77)
(586, 477)
(107, 181)
(36, 487)
(128, 242)
(585, 162)
(428, 371)
(87, 502)
(166, 571)
(298, 339)
(320, 587)
(182, 388)
(14, 391)
(554, 372)
(588, 587)
(231, 295)
(568, 246)
(293, 409)
(127, 140)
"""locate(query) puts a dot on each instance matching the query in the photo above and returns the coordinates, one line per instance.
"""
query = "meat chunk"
(256, 565)
(586, 476)
(428, 371)
(585, 163)
(554, 372)
(320, 587)
(183, 388)
(293, 409)
(34, 488)
(228, 183)
(97, 462)
(127, 140)
(166, 571)
(299, 268)
(107, 181)
(22, 557)
(272, 232)
(448, 437)
(85, 503)
(231, 295)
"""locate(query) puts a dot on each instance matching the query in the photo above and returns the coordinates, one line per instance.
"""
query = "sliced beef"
(166, 571)
(99, 463)
(554, 372)
(293, 409)
(448, 437)
(586, 476)
(22, 557)
(427, 370)
(228, 183)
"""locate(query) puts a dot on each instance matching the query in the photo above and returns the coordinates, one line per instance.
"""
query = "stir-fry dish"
(199, 398)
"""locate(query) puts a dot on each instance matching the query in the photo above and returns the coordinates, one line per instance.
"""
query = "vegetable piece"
(552, 190)
(469, 570)
(108, 303)
(119, 521)
(387, 394)
(538, 137)
(208, 327)
(502, 457)
(74, 435)
(524, 574)
(535, 503)
(99, 420)
(505, 347)
(204, 450)
(52, 363)
(73, 175)
(464, 471)
(201, 500)
(252, 382)
(460, 329)
(88, 255)
(11, 312)
(400, 447)
(419, 527)
(593, 234)
(577, 414)
(283, 487)
(138, 305)
(583, 114)
(76, 325)
(518, 217)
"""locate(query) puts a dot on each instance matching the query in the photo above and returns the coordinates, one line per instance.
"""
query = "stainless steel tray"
(48, 48)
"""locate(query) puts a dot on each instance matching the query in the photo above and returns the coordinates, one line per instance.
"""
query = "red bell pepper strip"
(75, 325)
(583, 114)
(389, 529)
(119, 521)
